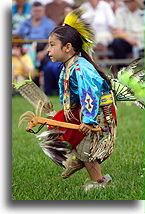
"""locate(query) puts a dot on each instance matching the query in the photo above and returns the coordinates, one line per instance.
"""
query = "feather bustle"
(130, 85)
(53, 146)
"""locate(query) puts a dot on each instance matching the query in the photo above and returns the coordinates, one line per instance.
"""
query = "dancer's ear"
(68, 47)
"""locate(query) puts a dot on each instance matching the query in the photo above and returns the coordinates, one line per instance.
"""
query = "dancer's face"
(58, 52)
(55, 49)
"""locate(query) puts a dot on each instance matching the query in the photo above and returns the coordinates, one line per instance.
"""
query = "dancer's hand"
(85, 128)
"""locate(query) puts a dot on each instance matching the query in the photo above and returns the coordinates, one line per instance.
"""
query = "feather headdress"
(75, 20)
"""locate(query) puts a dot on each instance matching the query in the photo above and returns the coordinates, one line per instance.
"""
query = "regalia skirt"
(97, 146)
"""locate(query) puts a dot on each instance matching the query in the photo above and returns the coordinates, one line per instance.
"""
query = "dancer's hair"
(67, 34)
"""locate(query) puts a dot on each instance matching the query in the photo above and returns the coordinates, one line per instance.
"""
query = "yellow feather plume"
(75, 20)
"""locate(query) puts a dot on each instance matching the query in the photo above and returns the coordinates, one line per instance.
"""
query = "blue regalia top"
(85, 87)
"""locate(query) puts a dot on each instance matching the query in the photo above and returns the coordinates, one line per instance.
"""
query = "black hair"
(67, 34)
(37, 4)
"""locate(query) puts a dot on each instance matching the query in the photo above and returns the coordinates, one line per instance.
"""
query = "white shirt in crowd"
(49, 1)
(132, 23)
(101, 18)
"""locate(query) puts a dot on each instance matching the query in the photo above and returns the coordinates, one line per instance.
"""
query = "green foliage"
(35, 177)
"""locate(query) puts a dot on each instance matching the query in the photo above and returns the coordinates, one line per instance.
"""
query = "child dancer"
(86, 97)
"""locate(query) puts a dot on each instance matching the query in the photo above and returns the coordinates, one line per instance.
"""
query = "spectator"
(140, 4)
(44, 2)
(51, 73)
(71, 2)
(100, 14)
(129, 33)
(20, 11)
(69, 9)
(115, 4)
(55, 10)
(22, 65)
(38, 27)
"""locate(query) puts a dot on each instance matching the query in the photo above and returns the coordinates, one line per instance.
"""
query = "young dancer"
(86, 97)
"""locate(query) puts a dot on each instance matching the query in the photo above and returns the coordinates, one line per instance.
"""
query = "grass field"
(35, 177)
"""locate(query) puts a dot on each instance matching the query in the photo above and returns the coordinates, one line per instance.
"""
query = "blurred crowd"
(118, 26)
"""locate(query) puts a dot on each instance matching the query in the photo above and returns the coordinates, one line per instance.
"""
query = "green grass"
(35, 177)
